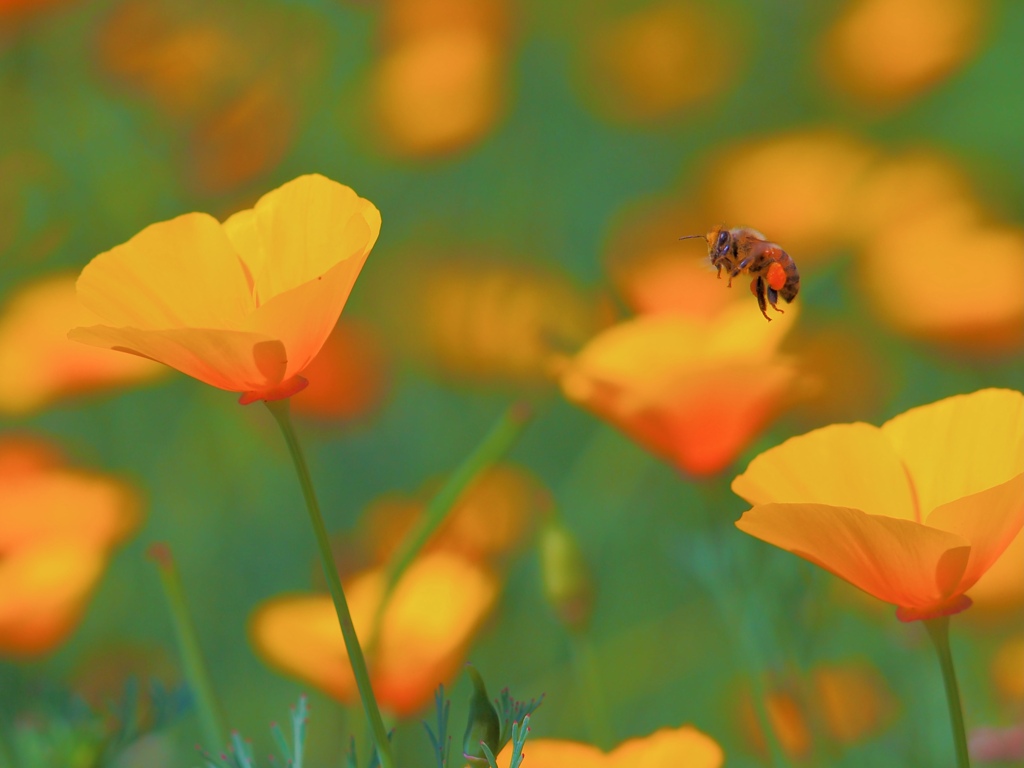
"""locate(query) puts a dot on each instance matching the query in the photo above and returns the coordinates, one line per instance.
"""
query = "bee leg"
(773, 297)
(759, 288)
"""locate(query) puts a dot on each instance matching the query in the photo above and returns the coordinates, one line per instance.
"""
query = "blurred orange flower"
(683, 747)
(657, 60)
(441, 81)
(693, 390)
(232, 89)
(848, 700)
(913, 513)
(485, 321)
(885, 51)
(347, 379)
(490, 518)
(917, 223)
(57, 529)
(812, 175)
(37, 362)
(921, 279)
(1008, 669)
(244, 305)
(434, 611)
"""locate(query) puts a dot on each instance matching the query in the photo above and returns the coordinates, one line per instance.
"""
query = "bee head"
(719, 240)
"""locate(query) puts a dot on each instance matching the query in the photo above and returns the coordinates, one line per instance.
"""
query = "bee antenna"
(691, 237)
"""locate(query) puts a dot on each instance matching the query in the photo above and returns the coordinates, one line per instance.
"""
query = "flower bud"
(568, 586)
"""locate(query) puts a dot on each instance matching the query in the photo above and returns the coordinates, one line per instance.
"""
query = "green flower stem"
(938, 631)
(211, 714)
(280, 411)
(595, 705)
(497, 442)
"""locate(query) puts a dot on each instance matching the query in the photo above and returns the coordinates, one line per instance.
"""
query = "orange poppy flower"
(683, 747)
(244, 305)
(914, 512)
(655, 61)
(347, 379)
(694, 391)
(37, 362)
(425, 629)
(57, 528)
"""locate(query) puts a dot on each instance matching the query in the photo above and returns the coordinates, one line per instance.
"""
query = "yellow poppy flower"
(683, 747)
(424, 631)
(914, 512)
(244, 305)
(57, 527)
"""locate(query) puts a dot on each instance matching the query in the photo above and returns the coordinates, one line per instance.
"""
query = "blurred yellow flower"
(441, 81)
(1008, 669)
(37, 362)
(244, 305)
(490, 519)
(484, 321)
(693, 390)
(920, 230)
(811, 176)
(885, 51)
(428, 623)
(925, 278)
(652, 62)
(57, 529)
(683, 747)
(913, 513)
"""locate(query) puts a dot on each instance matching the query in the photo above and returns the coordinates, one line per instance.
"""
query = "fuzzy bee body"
(743, 249)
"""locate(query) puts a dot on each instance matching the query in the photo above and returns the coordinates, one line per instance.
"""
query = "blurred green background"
(524, 140)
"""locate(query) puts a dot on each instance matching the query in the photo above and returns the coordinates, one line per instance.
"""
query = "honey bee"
(743, 249)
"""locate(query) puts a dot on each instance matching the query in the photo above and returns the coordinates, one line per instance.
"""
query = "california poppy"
(243, 305)
(913, 512)
(694, 391)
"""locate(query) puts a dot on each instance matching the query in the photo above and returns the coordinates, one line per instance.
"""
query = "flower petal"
(843, 465)
(173, 274)
(960, 445)
(898, 561)
(303, 317)
(989, 520)
(237, 361)
(299, 231)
